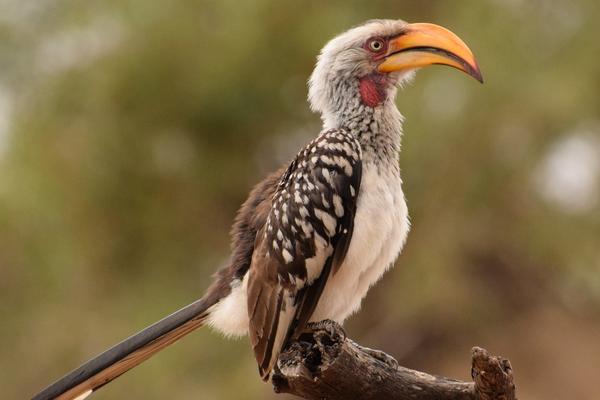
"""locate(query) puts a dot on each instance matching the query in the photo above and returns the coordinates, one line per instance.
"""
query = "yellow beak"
(427, 44)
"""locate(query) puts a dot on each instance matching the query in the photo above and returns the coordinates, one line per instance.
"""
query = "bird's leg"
(378, 355)
(331, 327)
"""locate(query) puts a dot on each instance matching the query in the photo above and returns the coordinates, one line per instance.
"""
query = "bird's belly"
(380, 229)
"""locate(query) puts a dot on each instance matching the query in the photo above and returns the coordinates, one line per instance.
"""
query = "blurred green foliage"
(130, 131)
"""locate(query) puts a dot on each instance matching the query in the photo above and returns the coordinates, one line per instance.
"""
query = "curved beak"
(427, 44)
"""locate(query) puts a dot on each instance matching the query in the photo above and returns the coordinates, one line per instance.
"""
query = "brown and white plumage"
(304, 240)
(313, 237)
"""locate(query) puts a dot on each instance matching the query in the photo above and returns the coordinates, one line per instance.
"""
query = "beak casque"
(425, 44)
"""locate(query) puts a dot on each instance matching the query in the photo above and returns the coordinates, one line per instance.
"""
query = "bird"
(315, 235)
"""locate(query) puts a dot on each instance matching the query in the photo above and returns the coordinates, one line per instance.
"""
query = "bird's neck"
(378, 128)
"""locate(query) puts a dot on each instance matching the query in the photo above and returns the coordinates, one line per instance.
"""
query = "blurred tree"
(130, 131)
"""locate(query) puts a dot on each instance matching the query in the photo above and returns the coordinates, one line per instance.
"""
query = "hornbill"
(313, 237)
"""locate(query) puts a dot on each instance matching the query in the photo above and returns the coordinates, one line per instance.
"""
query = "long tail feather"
(99, 371)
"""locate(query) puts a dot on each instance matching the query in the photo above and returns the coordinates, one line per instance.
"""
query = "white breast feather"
(380, 230)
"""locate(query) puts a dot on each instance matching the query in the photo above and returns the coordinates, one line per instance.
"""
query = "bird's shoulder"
(336, 151)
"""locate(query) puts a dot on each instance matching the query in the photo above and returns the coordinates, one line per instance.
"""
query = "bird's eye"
(376, 45)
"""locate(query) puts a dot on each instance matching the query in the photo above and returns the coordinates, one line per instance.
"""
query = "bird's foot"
(380, 356)
(331, 327)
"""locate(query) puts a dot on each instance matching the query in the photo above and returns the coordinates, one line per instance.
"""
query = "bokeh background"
(130, 131)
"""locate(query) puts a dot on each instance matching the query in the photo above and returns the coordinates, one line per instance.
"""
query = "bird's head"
(364, 65)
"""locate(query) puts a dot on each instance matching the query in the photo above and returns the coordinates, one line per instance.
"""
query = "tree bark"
(324, 364)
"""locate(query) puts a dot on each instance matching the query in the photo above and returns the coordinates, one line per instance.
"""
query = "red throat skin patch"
(372, 90)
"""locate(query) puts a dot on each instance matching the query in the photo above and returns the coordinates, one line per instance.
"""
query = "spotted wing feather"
(303, 241)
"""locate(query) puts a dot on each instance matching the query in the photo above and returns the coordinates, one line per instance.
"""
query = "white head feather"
(344, 58)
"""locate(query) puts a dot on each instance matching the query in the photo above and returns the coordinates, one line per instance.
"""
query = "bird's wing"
(304, 240)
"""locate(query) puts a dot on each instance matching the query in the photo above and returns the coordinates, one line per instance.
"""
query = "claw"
(331, 327)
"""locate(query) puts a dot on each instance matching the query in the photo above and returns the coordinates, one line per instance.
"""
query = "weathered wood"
(324, 364)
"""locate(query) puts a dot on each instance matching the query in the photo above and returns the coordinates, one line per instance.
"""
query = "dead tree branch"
(325, 364)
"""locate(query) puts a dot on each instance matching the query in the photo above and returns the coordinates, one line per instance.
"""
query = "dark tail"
(99, 371)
